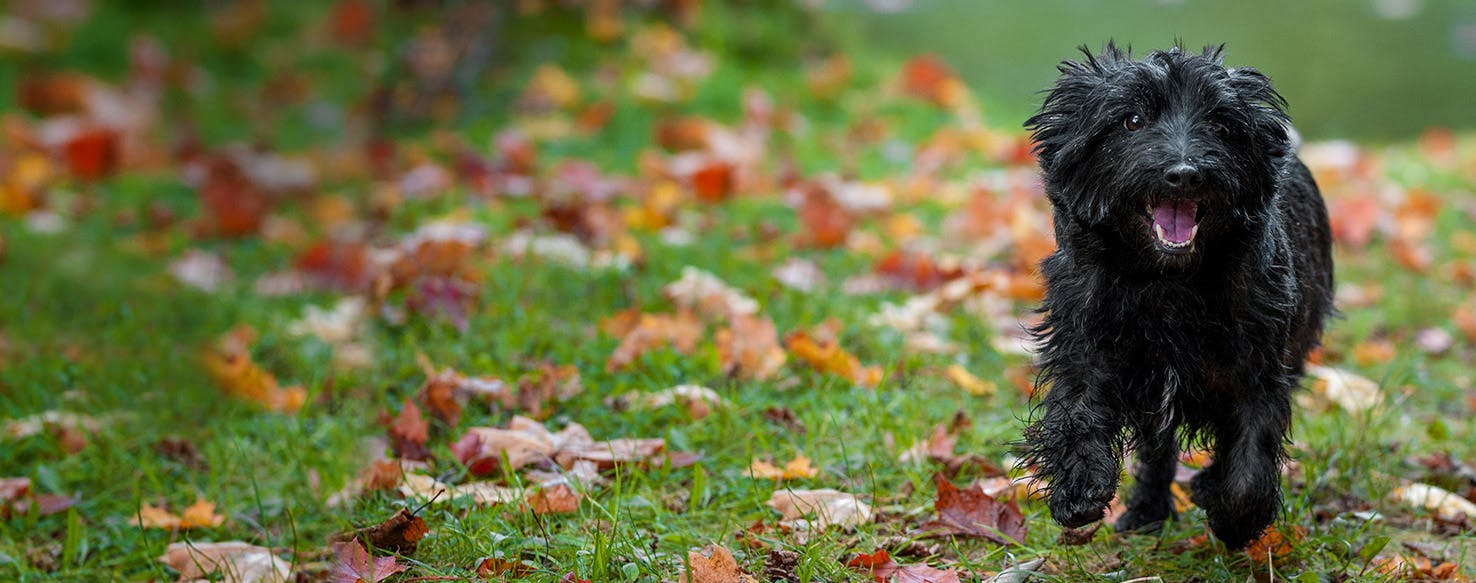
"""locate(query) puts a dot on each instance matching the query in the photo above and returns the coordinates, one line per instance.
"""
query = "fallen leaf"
(971, 512)
(749, 348)
(713, 564)
(1273, 545)
(681, 331)
(232, 562)
(409, 433)
(971, 384)
(400, 533)
(708, 296)
(828, 507)
(1348, 391)
(558, 499)
(498, 568)
(201, 514)
(882, 569)
(829, 357)
(697, 400)
(230, 366)
(927, 78)
(796, 469)
(353, 564)
(1442, 503)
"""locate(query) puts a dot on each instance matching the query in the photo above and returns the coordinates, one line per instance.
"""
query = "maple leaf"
(749, 348)
(880, 566)
(1273, 545)
(968, 382)
(971, 512)
(708, 296)
(797, 468)
(826, 355)
(927, 78)
(353, 564)
(526, 441)
(681, 331)
(230, 366)
(713, 564)
(233, 561)
(698, 401)
(201, 514)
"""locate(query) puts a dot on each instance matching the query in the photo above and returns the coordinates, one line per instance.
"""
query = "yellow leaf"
(968, 382)
(798, 468)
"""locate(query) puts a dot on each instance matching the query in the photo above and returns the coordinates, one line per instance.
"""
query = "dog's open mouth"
(1175, 221)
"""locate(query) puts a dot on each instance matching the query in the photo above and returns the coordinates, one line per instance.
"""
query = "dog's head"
(1162, 154)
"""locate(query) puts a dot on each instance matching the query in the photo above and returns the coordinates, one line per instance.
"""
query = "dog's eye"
(1133, 123)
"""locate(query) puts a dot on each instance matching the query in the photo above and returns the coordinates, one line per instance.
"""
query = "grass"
(94, 324)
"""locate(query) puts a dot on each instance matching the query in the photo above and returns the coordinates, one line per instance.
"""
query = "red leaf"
(883, 569)
(971, 512)
(92, 154)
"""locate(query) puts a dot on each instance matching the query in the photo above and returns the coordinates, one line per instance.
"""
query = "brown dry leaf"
(498, 568)
(698, 401)
(230, 366)
(714, 564)
(749, 348)
(201, 514)
(681, 331)
(828, 507)
(233, 562)
(1464, 319)
(409, 433)
(797, 469)
(548, 385)
(400, 533)
(971, 512)
(526, 441)
(557, 499)
(708, 296)
(826, 355)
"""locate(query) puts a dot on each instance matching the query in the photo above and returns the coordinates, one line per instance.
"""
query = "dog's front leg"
(1241, 491)
(1076, 446)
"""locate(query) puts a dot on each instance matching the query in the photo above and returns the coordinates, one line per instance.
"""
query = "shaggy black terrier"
(1192, 278)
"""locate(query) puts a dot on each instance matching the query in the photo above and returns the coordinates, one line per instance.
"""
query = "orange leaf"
(230, 366)
(829, 357)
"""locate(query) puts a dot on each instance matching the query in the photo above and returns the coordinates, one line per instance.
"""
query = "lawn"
(277, 271)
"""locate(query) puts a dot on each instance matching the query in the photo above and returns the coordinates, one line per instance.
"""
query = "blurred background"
(1366, 69)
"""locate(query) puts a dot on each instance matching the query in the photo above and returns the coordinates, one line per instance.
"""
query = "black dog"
(1192, 278)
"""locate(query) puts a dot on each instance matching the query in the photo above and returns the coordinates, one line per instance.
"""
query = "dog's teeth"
(1158, 230)
(1192, 232)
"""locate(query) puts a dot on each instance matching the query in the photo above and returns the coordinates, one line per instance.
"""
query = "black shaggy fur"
(1151, 345)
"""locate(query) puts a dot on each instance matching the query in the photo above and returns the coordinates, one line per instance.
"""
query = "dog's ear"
(1055, 129)
(1267, 110)
(1059, 129)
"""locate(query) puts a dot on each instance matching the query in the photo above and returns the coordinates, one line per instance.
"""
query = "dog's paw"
(1145, 520)
(1076, 512)
(1237, 534)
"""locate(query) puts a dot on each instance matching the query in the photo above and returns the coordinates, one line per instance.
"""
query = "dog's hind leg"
(1076, 447)
(1152, 500)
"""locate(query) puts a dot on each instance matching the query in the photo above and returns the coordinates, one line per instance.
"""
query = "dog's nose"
(1183, 176)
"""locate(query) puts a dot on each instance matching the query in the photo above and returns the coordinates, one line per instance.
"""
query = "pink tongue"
(1177, 219)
